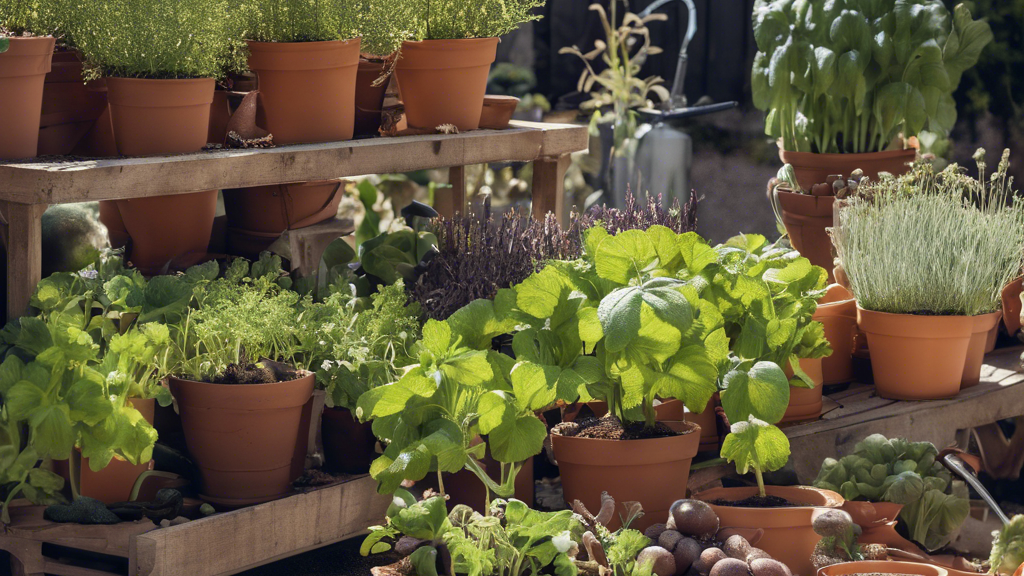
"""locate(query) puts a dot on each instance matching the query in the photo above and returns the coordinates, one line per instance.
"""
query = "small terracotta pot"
(1012, 306)
(113, 483)
(497, 112)
(878, 523)
(653, 471)
(708, 422)
(307, 89)
(349, 446)
(444, 81)
(814, 169)
(837, 312)
(805, 403)
(70, 110)
(882, 567)
(152, 117)
(1019, 571)
(370, 98)
(220, 114)
(806, 217)
(242, 437)
(23, 69)
(274, 209)
(788, 533)
(916, 357)
(983, 326)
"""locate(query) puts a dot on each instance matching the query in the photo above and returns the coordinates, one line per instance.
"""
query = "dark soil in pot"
(610, 428)
(757, 502)
(252, 374)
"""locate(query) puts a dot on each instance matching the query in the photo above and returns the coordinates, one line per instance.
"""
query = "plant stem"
(760, 481)
(440, 483)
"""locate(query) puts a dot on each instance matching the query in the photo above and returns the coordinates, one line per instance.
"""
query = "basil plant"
(851, 76)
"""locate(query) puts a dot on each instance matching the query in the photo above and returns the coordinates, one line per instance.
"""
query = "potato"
(686, 553)
(757, 553)
(736, 546)
(730, 567)
(664, 564)
(769, 567)
(654, 531)
(694, 518)
(707, 560)
(668, 539)
(832, 523)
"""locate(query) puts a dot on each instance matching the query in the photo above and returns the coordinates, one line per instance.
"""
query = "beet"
(668, 539)
(769, 567)
(664, 564)
(694, 518)
(654, 531)
(737, 547)
(730, 567)
(707, 560)
(686, 553)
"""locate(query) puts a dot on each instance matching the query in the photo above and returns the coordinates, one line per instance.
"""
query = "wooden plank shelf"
(861, 412)
(217, 545)
(27, 188)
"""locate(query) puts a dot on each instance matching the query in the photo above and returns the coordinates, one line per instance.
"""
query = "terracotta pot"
(444, 81)
(1019, 571)
(110, 217)
(993, 335)
(23, 69)
(349, 446)
(653, 472)
(788, 533)
(805, 403)
(708, 422)
(113, 483)
(983, 326)
(307, 454)
(806, 217)
(837, 312)
(70, 110)
(878, 524)
(242, 437)
(1012, 306)
(497, 112)
(882, 567)
(370, 98)
(307, 89)
(273, 209)
(916, 357)
(814, 169)
(220, 114)
(164, 117)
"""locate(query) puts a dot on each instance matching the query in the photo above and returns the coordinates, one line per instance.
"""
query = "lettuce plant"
(1008, 547)
(851, 76)
(907, 473)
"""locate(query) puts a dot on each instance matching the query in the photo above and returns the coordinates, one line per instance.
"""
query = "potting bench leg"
(26, 557)
(24, 253)
(549, 187)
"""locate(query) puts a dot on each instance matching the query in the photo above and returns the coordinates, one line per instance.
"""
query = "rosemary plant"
(932, 243)
(300, 20)
(22, 17)
(461, 19)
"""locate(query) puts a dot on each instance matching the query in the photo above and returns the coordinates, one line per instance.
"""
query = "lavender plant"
(679, 218)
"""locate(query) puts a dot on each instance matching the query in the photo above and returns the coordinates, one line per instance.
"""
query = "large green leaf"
(762, 392)
(625, 256)
(755, 444)
(517, 439)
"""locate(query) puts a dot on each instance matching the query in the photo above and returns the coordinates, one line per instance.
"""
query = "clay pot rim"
(160, 93)
(293, 46)
(299, 56)
(584, 451)
(891, 324)
(860, 156)
(986, 321)
(872, 511)
(447, 54)
(690, 425)
(826, 498)
(882, 567)
(303, 374)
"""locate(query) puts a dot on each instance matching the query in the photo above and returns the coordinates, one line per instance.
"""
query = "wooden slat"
(28, 525)
(24, 254)
(549, 187)
(230, 543)
(124, 178)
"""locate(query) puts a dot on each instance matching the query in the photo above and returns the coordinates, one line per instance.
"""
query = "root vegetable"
(730, 567)
(668, 539)
(757, 554)
(736, 546)
(686, 553)
(694, 518)
(654, 531)
(769, 567)
(662, 561)
(708, 559)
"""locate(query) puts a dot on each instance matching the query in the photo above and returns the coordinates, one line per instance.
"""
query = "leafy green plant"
(935, 243)
(1008, 547)
(460, 19)
(626, 46)
(756, 445)
(397, 255)
(23, 17)
(382, 27)
(154, 38)
(851, 76)
(299, 20)
(907, 473)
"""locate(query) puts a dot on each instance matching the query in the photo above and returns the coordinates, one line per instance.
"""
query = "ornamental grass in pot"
(26, 49)
(443, 69)
(160, 83)
(927, 256)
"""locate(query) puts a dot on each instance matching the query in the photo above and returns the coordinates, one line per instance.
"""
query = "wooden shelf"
(27, 188)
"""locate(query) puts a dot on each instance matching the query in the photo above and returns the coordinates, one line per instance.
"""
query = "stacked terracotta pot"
(23, 69)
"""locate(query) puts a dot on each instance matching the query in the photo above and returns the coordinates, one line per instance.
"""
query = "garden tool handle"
(676, 97)
(954, 460)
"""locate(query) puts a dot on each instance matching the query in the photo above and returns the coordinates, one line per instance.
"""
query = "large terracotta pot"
(70, 111)
(23, 69)
(653, 471)
(220, 114)
(878, 524)
(113, 483)
(882, 567)
(916, 357)
(806, 217)
(444, 81)
(274, 209)
(153, 117)
(983, 326)
(814, 169)
(349, 446)
(1012, 305)
(307, 89)
(837, 312)
(708, 422)
(370, 98)
(805, 403)
(242, 437)
(788, 533)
